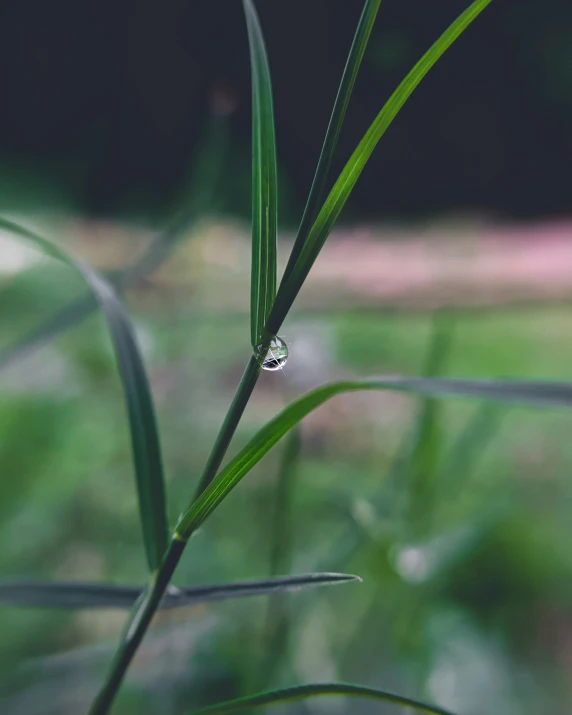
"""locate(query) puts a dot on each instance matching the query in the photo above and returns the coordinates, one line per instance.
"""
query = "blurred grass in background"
(466, 592)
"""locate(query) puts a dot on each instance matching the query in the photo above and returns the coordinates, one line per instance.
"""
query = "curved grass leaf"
(203, 181)
(264, 182)
(143, 426)
(351, 69)
(534, 393)
(291, 284)
(301, 692)
(70, 594)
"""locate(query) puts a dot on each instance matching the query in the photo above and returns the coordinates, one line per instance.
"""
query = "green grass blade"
(264, 182)
(470, 447)
(67, 594)
(301, 692)
(533, 393)
(74, 594)
(351, 69)
(290, 285)
(280, 529)
(203, 183)
(425, 450)
(143, 426)
(229, 425)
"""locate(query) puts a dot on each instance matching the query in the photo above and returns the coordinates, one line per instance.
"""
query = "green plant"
(269, 307)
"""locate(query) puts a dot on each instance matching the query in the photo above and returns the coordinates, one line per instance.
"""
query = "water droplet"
(272, 355)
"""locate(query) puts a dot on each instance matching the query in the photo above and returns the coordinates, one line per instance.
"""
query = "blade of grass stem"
(321, 227)
(136, 627)
(347, 83)
(143, 426)
(264, 181)
(70, 594)
(205, 174)
(533, 393)
(229, 425)
(300, 692)
(426, 448)
(281, 537)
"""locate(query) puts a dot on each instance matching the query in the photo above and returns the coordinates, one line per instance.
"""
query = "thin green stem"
(136, 628)
(146, 606)
(277, 613)
(343, 96)
(229, 425)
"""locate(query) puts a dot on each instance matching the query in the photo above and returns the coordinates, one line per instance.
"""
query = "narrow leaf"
(533, 393)
(143, 426)
(291, 284)
(264, 181)
(351, 69)
(301, 692)
(70, 594)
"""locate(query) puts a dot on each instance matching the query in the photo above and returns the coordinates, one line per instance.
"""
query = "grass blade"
(351, 69)
(426, 447)
(281, 531)
(291, 284)
(144, 434)
(301, 692)
(203, 182)
(70, 594)
(229, 425)
(264, 182)
(470, 447)
(531, 392)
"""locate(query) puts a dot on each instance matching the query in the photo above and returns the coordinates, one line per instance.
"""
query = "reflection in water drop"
(272, 355)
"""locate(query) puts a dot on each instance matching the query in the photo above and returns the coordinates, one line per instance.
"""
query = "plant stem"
(229, 425)
(149, 601)
(137, 626)
(277, 629)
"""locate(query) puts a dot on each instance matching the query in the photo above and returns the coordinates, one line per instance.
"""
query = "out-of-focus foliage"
(471, 602)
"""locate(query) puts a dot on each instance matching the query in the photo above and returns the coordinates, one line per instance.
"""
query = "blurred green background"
(456, 515)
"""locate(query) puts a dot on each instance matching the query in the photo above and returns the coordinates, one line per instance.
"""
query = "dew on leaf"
(272, 355)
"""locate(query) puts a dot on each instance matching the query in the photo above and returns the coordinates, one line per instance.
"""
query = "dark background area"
(104, 103)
